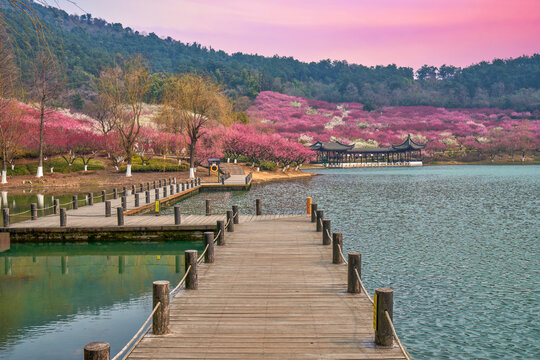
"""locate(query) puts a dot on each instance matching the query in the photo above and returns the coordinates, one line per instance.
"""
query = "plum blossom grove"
(74, 137)
(472, 133)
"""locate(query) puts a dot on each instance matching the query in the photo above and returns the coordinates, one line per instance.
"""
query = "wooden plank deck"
(272, 293)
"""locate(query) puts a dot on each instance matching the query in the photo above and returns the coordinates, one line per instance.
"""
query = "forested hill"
(89, 44)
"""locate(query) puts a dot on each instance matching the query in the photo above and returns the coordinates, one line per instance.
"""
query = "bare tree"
(123, 88)
(193, 102)
(10, 113)
(46, 87)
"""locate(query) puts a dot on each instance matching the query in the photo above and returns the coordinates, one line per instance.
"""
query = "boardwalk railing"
(385, 333)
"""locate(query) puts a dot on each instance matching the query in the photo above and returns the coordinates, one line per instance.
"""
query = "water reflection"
(45, 288)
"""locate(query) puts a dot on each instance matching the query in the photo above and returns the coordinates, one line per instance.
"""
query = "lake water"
(458, 244)
(56, 298)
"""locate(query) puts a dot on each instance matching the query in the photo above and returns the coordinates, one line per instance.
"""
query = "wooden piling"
(120, 216)
(190, 259)
(159, 183)
(56, 208)
(230, 221)
(33, 211)
(103, 195)
(124, 203)
(160, 319)
(90, 199)
(141, 188)
(5, 216)
(383, 301)
(157, 194)
(209, 239)
(320, 217)
(108, 208)
(154, 185)
(208, 212)
(337, 246)
(164, 192)
(147, 194)
(177, 188)
(258, 207)
(236, 214)
(355, 261)
(75, 202)
(308, 206)
(63, 217)
(115, 193)
(221, 230)
(97, 351)
(177, 215)
(147, 186)
(326, 240)
(133, 189)
(137, 200)
(124, 191)
(183, 187)
(313, 213)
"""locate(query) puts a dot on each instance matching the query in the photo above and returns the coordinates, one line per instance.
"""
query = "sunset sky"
(369, 32)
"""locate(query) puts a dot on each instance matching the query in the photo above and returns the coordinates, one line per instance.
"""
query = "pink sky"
(368, 32)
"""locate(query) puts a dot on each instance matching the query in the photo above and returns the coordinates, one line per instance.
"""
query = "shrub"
(268, 165)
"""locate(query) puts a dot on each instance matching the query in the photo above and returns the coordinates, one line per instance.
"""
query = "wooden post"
(160, 319)
(183, 187)
(63, 217)
(337, 246)
(326, 239)
(148, 186)
(75, 202)
(5, 215)
(157, 194)
(90, 199)
(221, 230)
(154, 185)
(137, 201)
(120, 216)
(258, 207)
(384, 301)
(133, 189)
(320, 217)
(124, 191)
(124, 202)
(209, 238)
(208, 212)
(164, 192)
(103, 195)
(177, 215)
(159, 182)
(56, 206)
(115, 193)
(355, 261)
(308, 206)
(236, 214)
(190, 259)
(147, 194)
(141, 187)
(108, 208)
(33, 211)
(313, 213)
(177, 188)
(230, 221)
(192, 184)
(97, 351)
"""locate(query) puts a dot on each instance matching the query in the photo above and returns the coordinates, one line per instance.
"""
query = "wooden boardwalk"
(271, 293)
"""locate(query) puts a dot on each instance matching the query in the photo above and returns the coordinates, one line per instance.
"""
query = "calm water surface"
(56, 298)
(458, 244)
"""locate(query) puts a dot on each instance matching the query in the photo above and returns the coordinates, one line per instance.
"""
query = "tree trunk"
(39, 172)
(4, 166)
(128, 167)
(192, 158)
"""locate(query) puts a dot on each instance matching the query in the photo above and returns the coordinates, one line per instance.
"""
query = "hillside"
(86, 45)
(464, 133)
